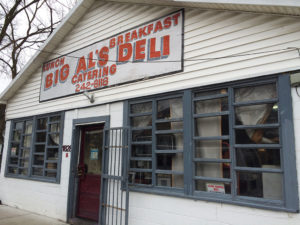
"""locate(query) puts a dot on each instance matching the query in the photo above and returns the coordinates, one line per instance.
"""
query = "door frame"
(75, 151)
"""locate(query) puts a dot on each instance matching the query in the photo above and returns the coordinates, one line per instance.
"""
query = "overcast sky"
(64, 5)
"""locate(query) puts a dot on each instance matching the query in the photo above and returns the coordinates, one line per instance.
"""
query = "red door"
(89, 172)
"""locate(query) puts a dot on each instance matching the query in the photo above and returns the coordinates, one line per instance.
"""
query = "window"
(35, 148)
(222, 143)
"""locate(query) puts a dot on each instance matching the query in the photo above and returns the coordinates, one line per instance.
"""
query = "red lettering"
(167, 22)
(153, 53)
(57, 63)
(52, 65)
(125, 52)
(134, 35)
(112, 43)
(91, 63)
(74, 79)
(175, 18)
(150, 28)
(56, 77)
(113, 69)
(64, 73)
(62, 61)
(127, 37)
(158, 26)
(120, 39)
(103, 56)
(105, 81)
(81, 65)
(142, 32)
(166, 45)
(105, 71)
(140, 50)
(49, 81)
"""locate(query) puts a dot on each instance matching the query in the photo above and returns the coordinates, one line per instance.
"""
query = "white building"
(201, 97)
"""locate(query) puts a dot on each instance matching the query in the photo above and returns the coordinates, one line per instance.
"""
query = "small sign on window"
(94, 154)
(218, 188)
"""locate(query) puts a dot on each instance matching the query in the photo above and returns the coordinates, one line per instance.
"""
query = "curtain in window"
(255, 114)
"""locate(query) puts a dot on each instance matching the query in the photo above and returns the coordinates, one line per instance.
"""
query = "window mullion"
(154, 109)
(32, 147)
(187, 140)
(232, 141)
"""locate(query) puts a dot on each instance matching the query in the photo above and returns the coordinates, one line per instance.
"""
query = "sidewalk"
(13, 216)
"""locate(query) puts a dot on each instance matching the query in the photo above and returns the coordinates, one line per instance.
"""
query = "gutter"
(279, 3)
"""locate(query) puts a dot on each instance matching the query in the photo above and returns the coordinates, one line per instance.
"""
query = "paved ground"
(13, 216)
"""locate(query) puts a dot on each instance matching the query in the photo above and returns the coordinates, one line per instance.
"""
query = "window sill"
(39, 179)
(227, 199)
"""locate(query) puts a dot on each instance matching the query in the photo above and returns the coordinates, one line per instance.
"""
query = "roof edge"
(285, 3)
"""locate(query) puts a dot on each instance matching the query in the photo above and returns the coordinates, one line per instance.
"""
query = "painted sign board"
(143, 52)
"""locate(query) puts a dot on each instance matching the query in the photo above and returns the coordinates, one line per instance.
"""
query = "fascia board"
(285, 3)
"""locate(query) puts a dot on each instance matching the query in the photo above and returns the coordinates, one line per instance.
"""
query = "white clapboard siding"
(208, 34)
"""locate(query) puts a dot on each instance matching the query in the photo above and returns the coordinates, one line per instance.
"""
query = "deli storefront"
(136, 113)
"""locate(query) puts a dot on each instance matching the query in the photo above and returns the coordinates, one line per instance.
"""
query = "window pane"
(213, 186)
(141, 121)
(256, 114)
(141, 108)
(55, 127)
(170, 180)
(41, 137)
(262, 158)
(260, 185)
(50, 174)
(212, 149)
(254, 93)
(54, 118)
(19, 126)
(211, 106)
(169, 126)
(13, 161)
(23, 172)
(169, 141)
(173, 162)
(210, 93)
(216, 170)
(24, 163)
(140, 178)
(42, 124)
(14, 150)
(140, 164)
(12, 170)
(211, 126)
(141, 151)
(28, 127)
(52, 153)
(53, 139)
(257, 136)
(17, 135)
(40, 148)
(25, 153)
(169, 108)
(37, 171)
(52, 166)
(27, 141)
(38, 160)
(142, 135)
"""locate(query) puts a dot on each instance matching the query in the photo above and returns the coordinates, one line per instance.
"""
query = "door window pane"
(211, 106)
(140, 178)
(212, 126)
(141, 108)
(42, 124)
(172, 162)
(257, 136)
(217, 170)
(173, 141)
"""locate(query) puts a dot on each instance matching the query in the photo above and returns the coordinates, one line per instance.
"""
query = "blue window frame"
(35, 148)
(232, 143)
